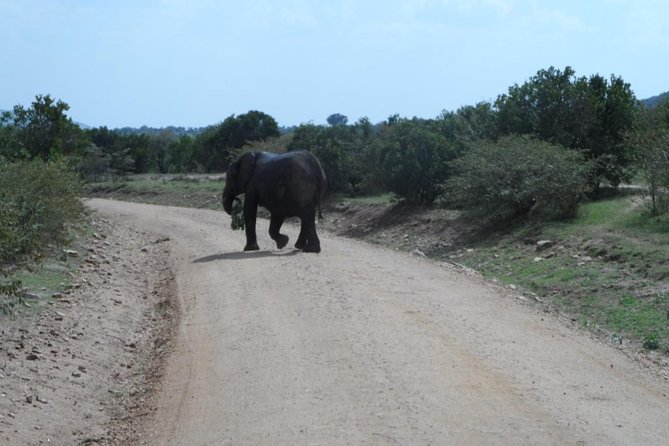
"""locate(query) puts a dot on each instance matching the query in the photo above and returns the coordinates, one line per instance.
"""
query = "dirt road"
(360, 345)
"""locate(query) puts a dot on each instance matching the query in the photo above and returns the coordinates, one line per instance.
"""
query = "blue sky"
(195, 62)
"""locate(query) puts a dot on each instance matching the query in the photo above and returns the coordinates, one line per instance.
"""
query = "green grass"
(383, 199)
(608, 268)
(53, 275)
(170, 191)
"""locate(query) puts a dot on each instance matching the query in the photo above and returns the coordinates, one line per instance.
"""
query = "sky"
(193, 63)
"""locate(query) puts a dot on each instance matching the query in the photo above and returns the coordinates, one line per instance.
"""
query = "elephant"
(287, 185)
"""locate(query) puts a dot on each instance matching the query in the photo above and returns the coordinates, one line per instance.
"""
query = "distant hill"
(655, 100)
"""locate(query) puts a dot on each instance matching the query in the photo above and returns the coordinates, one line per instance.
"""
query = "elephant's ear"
(247, 164)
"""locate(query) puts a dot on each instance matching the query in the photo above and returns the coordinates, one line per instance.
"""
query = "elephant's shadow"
(245, 255)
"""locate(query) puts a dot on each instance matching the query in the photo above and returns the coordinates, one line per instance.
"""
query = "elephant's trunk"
(227, 203)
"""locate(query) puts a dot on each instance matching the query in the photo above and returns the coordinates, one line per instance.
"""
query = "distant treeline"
(558, 137)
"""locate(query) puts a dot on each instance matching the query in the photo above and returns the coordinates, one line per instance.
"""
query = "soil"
(77, 367)
(185, 339)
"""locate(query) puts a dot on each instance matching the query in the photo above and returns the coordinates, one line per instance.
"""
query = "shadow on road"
(243, 255)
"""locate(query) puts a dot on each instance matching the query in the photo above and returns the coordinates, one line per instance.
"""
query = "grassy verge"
(187, 191)
(52, 277)
(608, 268)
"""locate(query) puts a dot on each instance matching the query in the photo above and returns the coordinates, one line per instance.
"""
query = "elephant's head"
(237, 178)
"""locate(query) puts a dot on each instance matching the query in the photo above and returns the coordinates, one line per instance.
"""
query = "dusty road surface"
(360, 345)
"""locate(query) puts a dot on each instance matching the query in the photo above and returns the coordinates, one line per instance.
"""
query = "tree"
(414, 159)
(337, 119)
(214, 146)
(44, 130)
(591, 115)
(651, 144)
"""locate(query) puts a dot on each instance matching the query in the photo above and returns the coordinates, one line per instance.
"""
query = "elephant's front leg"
(250, 212)
(274, 228)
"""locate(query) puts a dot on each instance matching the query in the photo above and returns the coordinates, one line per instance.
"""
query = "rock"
(32, 357)
(538, 259)
(418, 253)
(544, 244)
(71, 252)
(512, 286)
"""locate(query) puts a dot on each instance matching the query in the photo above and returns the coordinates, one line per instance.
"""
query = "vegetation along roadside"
(531, 189)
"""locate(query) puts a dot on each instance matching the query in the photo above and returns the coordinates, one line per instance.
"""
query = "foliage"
(336, 119)
(516, 176)
(591, 115)
(414, 159)
(237, 217)
(340, 149)
(469, 124)
(38, 200)
(214, 147)
(42, 130)
(651, 144)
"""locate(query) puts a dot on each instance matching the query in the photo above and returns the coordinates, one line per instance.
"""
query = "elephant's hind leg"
(302, 238)
(274, 228)
(313, 244)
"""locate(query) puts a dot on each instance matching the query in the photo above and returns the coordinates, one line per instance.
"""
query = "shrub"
(38, 200)
(413, 160)
(516, 176)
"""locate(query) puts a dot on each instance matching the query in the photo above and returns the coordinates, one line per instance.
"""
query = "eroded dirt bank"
(78, 367)
(361, 345)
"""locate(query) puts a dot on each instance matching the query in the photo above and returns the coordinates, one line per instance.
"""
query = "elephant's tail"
(320, 189)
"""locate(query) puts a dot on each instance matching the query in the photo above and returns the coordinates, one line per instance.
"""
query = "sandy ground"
(355, 345)
(361, 345)
(77, 368)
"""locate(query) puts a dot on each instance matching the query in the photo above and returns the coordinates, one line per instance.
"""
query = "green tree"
(591, 115)
(180, 155)
(214, 146)
(341, 150)
(336, 119)
(651, 144)
(44, 130)
(414, 160)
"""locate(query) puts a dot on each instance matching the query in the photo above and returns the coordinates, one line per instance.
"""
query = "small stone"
(544, 244)
(538, 259)
(418, 253)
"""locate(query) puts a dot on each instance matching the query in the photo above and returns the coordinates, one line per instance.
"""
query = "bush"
(517, 176)
(413, 160)
(38, 200)
(651, 147)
